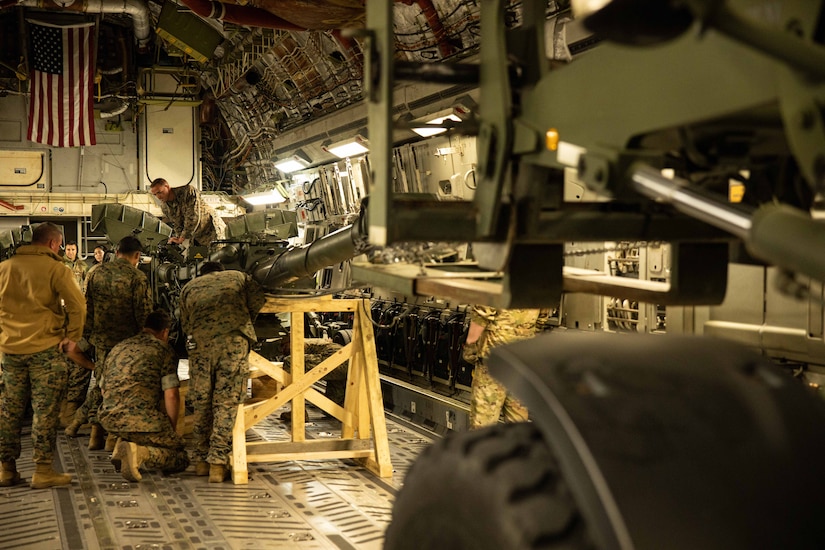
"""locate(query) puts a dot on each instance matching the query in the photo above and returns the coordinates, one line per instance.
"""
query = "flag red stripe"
(61, 112)
(73, 84)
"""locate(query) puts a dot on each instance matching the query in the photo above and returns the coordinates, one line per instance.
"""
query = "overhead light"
(263, 197)
(297, 161)
(582, 8)
(274, 195)
(435, 126)
(350, 147)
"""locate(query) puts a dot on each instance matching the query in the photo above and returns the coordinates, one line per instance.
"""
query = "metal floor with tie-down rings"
(291, 504)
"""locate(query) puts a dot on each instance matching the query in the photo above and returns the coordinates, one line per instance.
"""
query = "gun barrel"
(304, 261)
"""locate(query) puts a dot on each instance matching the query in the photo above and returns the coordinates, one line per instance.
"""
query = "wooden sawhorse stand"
(363, 409)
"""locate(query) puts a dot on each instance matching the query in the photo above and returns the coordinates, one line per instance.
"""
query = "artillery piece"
(256, 243)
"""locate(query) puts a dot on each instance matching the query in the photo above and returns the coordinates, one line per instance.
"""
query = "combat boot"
(97, 440)
(116, 460)
(67, 412)
(132, 457)
(202, 468)
(218, 473)
(9, 475)
(74, 425)
(111, 441)
(45, 477)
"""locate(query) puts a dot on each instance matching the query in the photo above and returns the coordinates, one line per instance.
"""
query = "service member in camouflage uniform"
(34, 329)
(74, 263)
(491, 327)
(100, 256)
(141, 399)
(118, 300)
(188, 214)
(78, 376)
(217, 310)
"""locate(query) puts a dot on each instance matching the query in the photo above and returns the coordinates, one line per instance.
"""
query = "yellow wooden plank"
(296, 368)
(375, 396)
(263, 409)
(256, 448)
(320, 304)
(240, 473)
(313, 456)
(264, 367)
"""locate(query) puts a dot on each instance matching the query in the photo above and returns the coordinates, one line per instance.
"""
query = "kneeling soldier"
(141, 398)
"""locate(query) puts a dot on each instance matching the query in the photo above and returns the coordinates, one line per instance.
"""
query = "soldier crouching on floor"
(141, 399)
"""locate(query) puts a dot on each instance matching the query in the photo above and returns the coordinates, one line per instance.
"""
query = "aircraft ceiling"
(274, 75)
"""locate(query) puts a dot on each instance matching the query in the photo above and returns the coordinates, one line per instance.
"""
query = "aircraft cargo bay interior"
(406, 274)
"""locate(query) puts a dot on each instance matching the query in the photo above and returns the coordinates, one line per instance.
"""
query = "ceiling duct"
(188, 33)
(240, 15)
(137, 9)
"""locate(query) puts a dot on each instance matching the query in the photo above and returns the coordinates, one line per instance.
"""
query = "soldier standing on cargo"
(217, 310)
(34, 329)
(141, 400)
(188, 214)
(491, 327)
(118, 299)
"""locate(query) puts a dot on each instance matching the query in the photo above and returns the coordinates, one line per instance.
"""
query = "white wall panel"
(169, 145)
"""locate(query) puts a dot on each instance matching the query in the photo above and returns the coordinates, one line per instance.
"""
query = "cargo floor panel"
(292, 504)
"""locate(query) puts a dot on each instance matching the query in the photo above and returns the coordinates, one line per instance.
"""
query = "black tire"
(495, 488)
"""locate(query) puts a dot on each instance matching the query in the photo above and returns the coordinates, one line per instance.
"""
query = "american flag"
(61, 110)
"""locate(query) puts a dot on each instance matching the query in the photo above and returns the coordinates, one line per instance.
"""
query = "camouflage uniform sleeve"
(169, 371)
(69, 291)
(90, 307)
(193, 210)
(255, 297)
(142, 297)
(184, 311)
(171, 214)
(483, 315)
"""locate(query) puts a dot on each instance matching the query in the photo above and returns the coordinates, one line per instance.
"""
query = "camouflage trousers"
(167, 451)
(78, 387)
(218, 370)
(489, 399)
(87, 412)
(40, 377)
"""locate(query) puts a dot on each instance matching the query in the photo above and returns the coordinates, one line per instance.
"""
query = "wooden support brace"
(363, 427)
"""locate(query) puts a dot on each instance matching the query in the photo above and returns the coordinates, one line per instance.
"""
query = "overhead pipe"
(137, 9)
(240, 15)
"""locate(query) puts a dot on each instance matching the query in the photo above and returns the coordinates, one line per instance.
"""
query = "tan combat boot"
(9, 475)
(111, 441)
(97, 440)
(202, 468)
(132, 457)
(73, 427)
(116, 459)
(218, 473)
(45, 477)
(67, 414)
